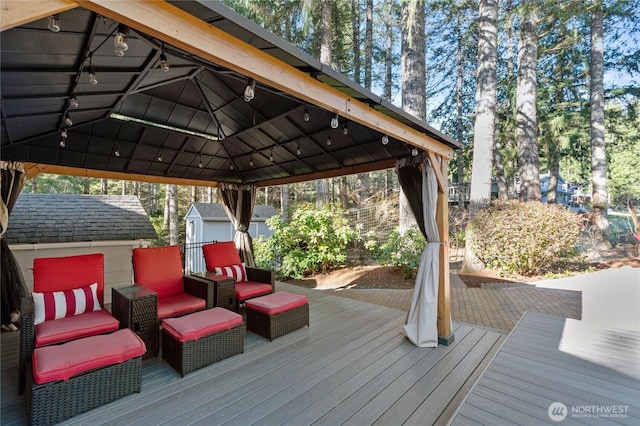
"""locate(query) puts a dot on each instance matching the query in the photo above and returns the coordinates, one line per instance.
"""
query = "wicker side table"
(136, 308)
(224, 289)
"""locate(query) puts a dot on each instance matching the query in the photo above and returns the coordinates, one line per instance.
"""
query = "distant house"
(54, 225)
(208, 222)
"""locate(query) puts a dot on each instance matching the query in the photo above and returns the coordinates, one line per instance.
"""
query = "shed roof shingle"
(59, 218)
(216, 211)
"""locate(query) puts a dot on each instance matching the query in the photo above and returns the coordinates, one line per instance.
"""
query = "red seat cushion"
(276, 303)
(75, 327)
(61, 362)
(248, 289)
(69, 272)
(159, 269)
(179, 304)
(200, 324)
(220, 254)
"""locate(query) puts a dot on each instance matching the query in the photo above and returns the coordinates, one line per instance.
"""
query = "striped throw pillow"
(237, 272)
(60, 304)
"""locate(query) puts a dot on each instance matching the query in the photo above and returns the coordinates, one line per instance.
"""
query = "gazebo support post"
(445, 335)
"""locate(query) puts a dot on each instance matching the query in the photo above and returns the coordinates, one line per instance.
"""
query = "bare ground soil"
(371, 277)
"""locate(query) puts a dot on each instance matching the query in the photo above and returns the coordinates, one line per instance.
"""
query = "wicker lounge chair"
(160, 269)
(60, 274)
(223, 259)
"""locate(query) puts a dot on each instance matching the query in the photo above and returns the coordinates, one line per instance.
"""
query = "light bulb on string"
(334, 122)
(298, 152)
(164, 64)
(54, 23)
(117, 151)
(92, 75)
(73, 102)
(250, 90)
(345, 129)
(120, 40)
(68, 121)
(306, 116)
(329, 142)
(385, 139)
(414, 151)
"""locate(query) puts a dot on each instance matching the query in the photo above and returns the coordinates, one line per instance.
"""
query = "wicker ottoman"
(277, 314)
(83, 374)
(202, 338)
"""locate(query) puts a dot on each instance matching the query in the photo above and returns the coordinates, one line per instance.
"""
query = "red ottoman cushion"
(61, 362)
(200, 324)
(276, 303)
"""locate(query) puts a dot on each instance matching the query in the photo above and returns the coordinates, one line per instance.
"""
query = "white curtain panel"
(421, 327)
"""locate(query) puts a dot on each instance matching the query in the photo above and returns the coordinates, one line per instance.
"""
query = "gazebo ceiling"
(193, 116)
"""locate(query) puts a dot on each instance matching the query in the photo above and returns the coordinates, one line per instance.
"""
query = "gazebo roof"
(193, 116)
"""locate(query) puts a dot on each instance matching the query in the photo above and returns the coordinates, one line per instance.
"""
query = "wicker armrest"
(261, 275)
(27, 338)
(201, 288)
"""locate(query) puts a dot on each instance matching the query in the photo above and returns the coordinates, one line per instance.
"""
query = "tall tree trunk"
(193, 194)
(355, 34)
(104, 186)
(173, 214)
(326, 33)
(124, 187)
(485, 122)
(509, 142)
(284, 202)
(136, 188)
(459, 111)
(368, 45)
(553, 153)
(209, 194)
(486, 102)
(167, 202)
(413, 81)
(34, 184)
(526, 120)
(86, 186)
(388, 52)
(599, 198)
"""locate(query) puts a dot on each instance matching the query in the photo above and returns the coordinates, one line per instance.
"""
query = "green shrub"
(399, 250)
(314, 240)
(524, 238)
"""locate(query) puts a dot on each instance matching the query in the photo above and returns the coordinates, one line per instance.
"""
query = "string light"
(63, 138)
(68, 121)
(250, 90)
(334, 122)
(414, 151)
(329, 141)
(298, 152)
(231, 166)
(345, 129)
(92, 75)
(164, 64)
(73, 102)
(306, 114)
(271, 155)
(54, 23)
(117, 151)
(385, 139)
(120, 40)
(251, 161)
(200, 161)
(160, 157)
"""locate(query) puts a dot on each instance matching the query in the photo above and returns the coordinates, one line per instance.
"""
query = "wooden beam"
(14, 13)
(362, 168)
(444, 294)
(435, 165)
(34, 169)
(176, 27)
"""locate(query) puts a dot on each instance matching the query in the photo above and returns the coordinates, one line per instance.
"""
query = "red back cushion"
(220, 254)
(159, 269)
(66, 273)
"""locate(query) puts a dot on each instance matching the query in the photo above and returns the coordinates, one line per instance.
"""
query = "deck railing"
(193, 258)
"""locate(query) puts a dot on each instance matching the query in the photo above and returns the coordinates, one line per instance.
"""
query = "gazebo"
(190, 92)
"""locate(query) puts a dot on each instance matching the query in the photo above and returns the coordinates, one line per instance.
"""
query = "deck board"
(352, 353)
(530, 372)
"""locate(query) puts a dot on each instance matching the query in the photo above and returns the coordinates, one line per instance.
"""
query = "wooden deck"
(352, 365)
(534, 368)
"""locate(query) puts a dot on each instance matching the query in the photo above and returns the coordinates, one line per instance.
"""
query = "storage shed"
(55, 225)
(209, 222)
